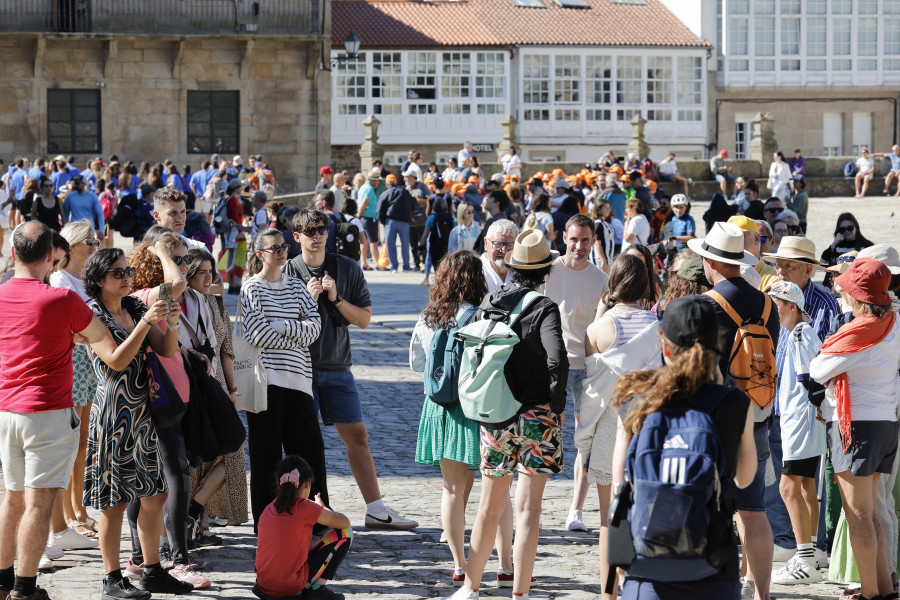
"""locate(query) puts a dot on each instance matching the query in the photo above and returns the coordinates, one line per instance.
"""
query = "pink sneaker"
(186, 574)
(133, 568)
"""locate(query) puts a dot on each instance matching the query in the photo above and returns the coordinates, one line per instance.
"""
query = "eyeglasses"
(763, 239)
(182, 260)
(785, 266)
(120, 273)
(794, 228)
(91, 243)
(774, 210)
(469, 212)
(278, 249)
(502, 245)
(314, 231)
(847, 229)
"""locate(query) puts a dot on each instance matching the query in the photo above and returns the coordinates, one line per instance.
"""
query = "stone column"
(762, 141)
(637, 144)
(370, 150)
(509, 133)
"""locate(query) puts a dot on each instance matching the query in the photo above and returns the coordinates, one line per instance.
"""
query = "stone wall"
(144, 81)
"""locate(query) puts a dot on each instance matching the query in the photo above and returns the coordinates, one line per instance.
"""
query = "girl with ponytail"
(286, 565)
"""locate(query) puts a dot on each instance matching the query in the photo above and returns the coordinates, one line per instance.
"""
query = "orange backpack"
(751, 362)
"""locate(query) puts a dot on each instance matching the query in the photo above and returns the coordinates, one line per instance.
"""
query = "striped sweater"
(281, 317)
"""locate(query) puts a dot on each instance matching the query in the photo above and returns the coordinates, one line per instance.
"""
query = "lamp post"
(351, 47)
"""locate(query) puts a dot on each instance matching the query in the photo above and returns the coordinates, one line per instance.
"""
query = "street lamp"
(351, 47)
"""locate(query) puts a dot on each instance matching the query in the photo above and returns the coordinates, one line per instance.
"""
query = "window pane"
(817, 64)
(456, 68)
(387, 80)
(841, 64)
(490, 81)
(659, 80)
(598, 72)
(790, 65)
(840, 37)
(739, 65)
(815, 7)
(764, 65)
(764, 39)
(690, 81)
(738, 7)
(790, 36)
(892, 36)
(869, 7)
(73, 120)
(815, 36)
(790, 7)
(628, 80)
(59, 129)
(214, 120)
(421, 83)
(867, 36)
(737, 38)
(841, 7)
(536, 80)
(567, 79)
(764, 7)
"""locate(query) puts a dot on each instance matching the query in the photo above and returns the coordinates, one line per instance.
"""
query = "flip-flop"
(854, 593)
(83, 529)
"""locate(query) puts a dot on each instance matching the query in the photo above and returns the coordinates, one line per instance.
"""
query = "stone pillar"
(762, 141)
(370, 150)
(637, 144)
(509, 133)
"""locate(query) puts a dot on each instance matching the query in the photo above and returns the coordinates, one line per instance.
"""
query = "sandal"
(83, 529)
(854, 593)
(92, 525)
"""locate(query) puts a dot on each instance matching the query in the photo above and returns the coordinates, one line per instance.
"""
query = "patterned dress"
(122, 462)
(230, 502)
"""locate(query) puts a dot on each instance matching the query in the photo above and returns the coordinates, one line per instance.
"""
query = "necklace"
(278, 289)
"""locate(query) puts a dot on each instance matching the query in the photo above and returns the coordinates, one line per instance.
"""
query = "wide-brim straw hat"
(374, 174)
(796, 248)
(531, 251)
(723, 243)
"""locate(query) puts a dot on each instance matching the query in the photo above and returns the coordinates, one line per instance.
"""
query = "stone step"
(816, 187)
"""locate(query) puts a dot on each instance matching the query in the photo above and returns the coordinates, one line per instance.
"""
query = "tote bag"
(249, 374)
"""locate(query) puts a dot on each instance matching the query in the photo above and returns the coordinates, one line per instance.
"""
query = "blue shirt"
(683, 226)
(59, 179)
(90, 179)
(199, 180)
(895, 161)
(36, 173)
(73, 170)
(17, 182)
(367, 192)
(84, 206)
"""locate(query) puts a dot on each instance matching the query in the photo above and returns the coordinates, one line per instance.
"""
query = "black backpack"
(346, 237)
(439, 237)
(221, 223)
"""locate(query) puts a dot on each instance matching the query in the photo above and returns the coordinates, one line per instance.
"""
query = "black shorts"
(871, 451)
(805, 467)
(371, 229)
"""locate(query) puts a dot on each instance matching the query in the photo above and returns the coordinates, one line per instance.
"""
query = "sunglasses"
(763, 239)
(847, 229)
(182, 260)
(277, 249)
(469, 212)
(120, 273)
(91, 243)
(794, 228)
(774, 210)
(314, 231)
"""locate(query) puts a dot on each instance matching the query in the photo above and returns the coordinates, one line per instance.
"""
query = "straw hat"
(843, 262)
(374, 174)
(724, 243)
(530, 251)
(798, 249)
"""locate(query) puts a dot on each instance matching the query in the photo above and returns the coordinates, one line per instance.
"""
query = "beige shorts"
(38, 449)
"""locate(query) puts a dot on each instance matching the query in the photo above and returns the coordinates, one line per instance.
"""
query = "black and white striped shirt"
(281, 317)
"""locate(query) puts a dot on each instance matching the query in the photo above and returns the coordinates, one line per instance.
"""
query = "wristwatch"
(338, 300)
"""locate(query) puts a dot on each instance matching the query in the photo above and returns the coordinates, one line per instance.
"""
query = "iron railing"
(162, 17)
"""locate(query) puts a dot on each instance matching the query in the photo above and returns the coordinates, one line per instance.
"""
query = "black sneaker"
(122, 589)
(322, 593)
(163, 583)
(205, 538)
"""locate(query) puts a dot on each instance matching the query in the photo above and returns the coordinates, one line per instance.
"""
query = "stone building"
(157, 79)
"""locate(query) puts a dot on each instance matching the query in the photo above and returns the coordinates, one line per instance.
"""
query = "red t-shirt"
(235, 213)
(36, 326)
(283, 548)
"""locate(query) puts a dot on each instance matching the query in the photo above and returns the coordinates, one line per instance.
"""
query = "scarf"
(859, 334)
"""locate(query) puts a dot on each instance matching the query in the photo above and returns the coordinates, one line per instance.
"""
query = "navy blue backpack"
(675, 465)
(442, 362)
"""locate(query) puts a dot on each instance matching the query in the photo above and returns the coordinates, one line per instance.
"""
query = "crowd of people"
(600, 275)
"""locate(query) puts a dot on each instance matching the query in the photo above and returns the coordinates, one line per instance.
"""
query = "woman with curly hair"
(446, 437)
(689, 347)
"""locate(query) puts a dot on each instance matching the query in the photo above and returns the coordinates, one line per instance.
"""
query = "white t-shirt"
(338, 198)
(65, 280)
(865, 164)
(577, 293)
(490, 275)
(511, 164)
(668, 167)
(640, 227)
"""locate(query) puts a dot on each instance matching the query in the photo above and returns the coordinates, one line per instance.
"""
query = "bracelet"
(146, 321)
(233, 390)
(173, 326)
(338, 305)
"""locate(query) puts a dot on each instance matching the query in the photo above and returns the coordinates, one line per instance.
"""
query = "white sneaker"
(71, 540)
(690, 181)
(802, 571)
(783, 554)
(389, 519)
(748, 588)
(46, 564)
(822, 559)
(575, 522)
(463, 593)
(52, 553)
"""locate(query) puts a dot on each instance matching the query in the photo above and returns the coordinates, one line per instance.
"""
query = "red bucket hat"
(867, 280)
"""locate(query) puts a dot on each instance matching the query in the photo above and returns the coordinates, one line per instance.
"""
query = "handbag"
(166, 406)
(249, 373)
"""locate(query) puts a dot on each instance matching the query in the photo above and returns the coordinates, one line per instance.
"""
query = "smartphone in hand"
(165, 291)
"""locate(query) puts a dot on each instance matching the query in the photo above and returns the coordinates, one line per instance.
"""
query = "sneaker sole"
(377, 525)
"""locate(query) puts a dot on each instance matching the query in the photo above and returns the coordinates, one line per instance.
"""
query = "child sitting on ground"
(286, 565)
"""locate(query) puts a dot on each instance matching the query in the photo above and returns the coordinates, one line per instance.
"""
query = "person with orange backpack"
(749, 329)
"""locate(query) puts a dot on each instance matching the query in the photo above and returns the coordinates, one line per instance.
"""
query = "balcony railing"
(162, 17)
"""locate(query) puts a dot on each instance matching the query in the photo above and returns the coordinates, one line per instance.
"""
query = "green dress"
(842, 564)
(447, 433)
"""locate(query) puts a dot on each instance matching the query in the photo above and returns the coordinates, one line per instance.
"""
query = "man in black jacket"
(394, 208)
(536, 373)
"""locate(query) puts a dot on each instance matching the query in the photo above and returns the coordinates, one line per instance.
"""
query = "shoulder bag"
(249, 373)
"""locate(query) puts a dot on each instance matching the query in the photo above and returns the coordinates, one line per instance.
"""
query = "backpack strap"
(729, 310)
(524, 302)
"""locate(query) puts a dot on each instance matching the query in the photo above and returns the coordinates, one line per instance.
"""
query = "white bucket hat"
(886, 254)
(724, 243)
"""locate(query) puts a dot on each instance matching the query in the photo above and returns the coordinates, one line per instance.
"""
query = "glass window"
(536, 114)
(628, 80)
(790, 37)
(689, 89)
(764, 65)
(536, 79)
(422, 109)
(841, 64)
(659, 115)
(867, 36)
(892, 64)
(738, 7)
(840, 37)
(387, 82)
(841, 7)
(598, 73)
(816, 64)
(73, 121)
(567, 79)
(790, 7)
(690, 115)
(790, 65)
(764, 38)
(892, 8)
(597, 114)
(816, 7)
(457, 109)
(764, 7)
(739, 65)
(568, 114)
(659, 81)
(456, 68)
(626, 114)
(741, 139)
(350, 80)
(869, 7)
(213, 121)
(892, 36)
(421, 68)
(816, 43)
(867, 64)
(352, 109)
(491, 109)
(738, 37)
(490, 75)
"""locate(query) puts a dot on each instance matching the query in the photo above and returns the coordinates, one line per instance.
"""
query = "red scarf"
(859, 334)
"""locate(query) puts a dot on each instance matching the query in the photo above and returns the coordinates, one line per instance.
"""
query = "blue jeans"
(575, 386)
(391, 230)
(779, 519)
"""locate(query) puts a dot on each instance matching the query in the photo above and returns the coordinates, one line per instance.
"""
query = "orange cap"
(473, 179)
(429, 180)
(559, 172)
(458, 188)
(391, 178)
(546, 177)
(515, 178)
(448, 183)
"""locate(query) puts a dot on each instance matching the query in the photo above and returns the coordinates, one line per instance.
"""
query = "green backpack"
(484, 394)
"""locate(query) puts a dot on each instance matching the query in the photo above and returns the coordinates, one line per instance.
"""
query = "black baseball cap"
(689, 320)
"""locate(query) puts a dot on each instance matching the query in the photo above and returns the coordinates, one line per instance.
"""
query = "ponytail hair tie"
(292, 477)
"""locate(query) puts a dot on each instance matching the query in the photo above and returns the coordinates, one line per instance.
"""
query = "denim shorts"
(720, 177)
(336, 397)
(575, 385)
(753, 497)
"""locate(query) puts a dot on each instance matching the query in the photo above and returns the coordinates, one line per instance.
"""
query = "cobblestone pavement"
(403, 565)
